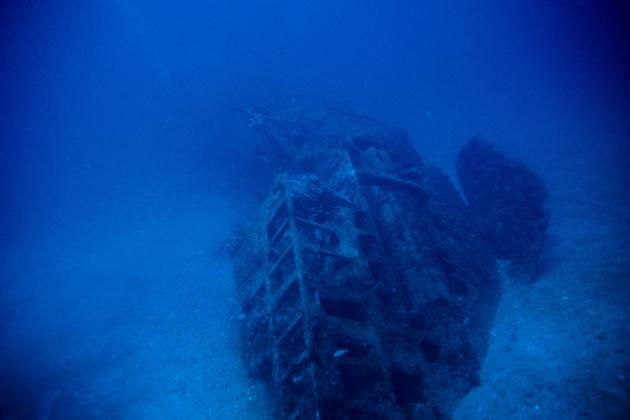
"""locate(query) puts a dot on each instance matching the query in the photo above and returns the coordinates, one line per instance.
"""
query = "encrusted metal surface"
(364, 289)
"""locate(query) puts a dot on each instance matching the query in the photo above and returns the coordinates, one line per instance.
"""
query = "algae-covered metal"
(364, 288)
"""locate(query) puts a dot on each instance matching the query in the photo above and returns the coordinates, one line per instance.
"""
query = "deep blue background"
(110, 110)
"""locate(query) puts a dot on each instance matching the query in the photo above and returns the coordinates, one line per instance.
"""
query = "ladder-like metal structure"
(308, 304)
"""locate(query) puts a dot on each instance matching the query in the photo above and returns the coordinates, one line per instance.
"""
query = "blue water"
(123, 165)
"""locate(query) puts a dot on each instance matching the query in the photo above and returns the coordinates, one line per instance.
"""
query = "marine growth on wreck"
(366, 288)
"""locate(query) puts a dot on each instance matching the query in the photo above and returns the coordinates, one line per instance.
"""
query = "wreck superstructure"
(364, 288)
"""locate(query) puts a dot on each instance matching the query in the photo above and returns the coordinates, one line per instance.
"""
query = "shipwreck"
(366, 289)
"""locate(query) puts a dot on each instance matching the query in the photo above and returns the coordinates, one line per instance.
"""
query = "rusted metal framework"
(364, 291)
